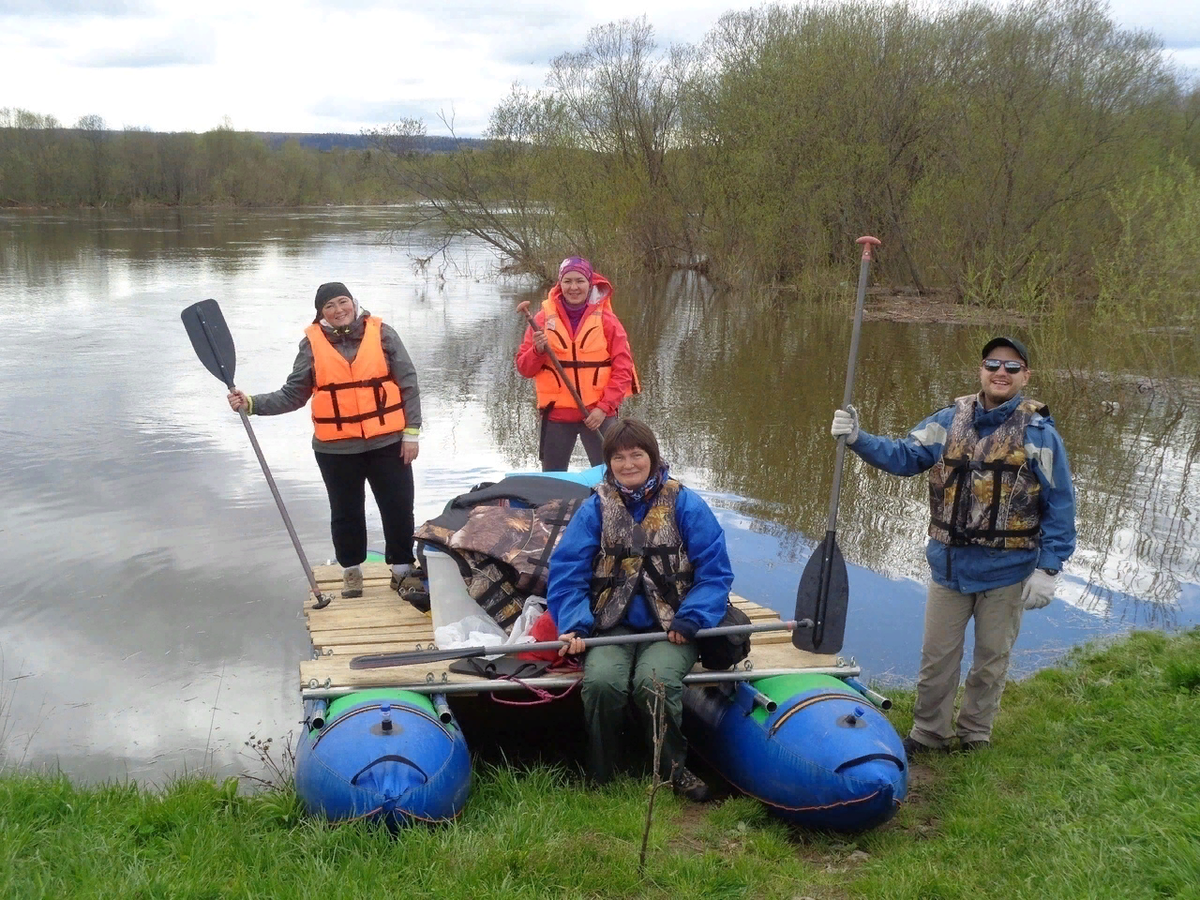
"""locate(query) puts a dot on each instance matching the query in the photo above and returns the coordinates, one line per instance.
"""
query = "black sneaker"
(415, 576)
(416, 596)
(972, 746)
(687, 785)
(915, 748)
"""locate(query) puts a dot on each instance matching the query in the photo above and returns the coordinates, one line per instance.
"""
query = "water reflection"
(151, 620)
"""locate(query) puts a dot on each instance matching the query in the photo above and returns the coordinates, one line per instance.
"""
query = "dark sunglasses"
(1011, 366)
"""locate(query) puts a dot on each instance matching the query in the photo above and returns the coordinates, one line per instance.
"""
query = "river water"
(151, 623)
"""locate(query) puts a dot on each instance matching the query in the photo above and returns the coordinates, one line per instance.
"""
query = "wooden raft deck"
(380, 622)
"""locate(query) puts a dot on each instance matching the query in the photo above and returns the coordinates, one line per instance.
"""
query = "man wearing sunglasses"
(1002, 524)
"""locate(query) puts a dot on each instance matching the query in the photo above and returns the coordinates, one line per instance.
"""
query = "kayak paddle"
(214, 345)
(419, 657)
(824, 589)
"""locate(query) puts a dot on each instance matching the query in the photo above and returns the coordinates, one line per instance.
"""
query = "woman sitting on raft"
(643, 553)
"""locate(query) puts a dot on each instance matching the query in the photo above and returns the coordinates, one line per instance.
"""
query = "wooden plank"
(333, 574)
(401, 634)
(396, 614)
(381, 622)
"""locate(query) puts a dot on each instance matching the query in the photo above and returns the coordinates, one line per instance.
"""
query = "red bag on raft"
(545, 629)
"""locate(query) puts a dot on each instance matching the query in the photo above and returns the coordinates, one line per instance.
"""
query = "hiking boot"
(687, 785)
(915, 748)
(972, 746)
(352, 581)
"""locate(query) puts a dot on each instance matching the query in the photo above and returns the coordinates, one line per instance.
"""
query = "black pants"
(391, 481)
(558, 442)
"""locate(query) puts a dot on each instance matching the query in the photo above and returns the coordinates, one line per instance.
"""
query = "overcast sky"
(342, 65)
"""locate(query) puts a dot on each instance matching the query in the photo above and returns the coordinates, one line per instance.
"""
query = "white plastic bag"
(473, 631)
(530, 613)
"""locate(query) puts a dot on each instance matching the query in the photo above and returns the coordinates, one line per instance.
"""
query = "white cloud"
(151, 47)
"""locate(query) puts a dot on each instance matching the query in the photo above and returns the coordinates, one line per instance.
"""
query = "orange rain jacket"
(596, 356)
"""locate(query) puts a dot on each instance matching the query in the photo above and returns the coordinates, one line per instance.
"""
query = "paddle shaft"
(418, 657)
(830, 543)
(262, 461)
(864, 271)
(583, 410)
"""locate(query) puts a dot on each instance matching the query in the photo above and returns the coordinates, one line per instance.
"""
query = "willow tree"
(583, 165)
(620, 100)
(982, 142)
(818, 121)
(1054, 110)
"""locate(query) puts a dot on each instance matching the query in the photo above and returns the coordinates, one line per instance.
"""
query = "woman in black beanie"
(366, 410)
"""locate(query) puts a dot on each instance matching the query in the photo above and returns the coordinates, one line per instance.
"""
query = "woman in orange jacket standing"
(577, 325)
(366, 411)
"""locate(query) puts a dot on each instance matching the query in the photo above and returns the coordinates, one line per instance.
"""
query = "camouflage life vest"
(983, 492)
(646, 558)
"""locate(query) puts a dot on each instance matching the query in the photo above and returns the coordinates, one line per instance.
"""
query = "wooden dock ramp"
(381, 622)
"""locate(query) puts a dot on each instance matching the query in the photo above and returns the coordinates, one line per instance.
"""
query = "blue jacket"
(972, 569)
(568, 595)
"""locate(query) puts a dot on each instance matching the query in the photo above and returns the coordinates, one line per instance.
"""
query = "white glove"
(845, 421)
(1039, 589)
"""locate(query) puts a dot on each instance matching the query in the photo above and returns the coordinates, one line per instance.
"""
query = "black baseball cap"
(1006, 342)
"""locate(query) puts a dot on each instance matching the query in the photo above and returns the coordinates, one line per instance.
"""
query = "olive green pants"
(613, 676)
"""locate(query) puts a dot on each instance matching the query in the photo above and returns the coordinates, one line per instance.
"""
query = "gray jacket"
(299, 386)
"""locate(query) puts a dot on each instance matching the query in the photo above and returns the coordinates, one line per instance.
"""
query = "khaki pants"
(997, 615)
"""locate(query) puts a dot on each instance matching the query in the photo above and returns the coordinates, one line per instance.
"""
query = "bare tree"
(94, 134)
(658, 719)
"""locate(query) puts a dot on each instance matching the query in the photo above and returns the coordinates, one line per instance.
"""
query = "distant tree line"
(1018, 155)
(43, 163)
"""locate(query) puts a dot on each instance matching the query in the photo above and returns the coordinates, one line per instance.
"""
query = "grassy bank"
(1089, 791)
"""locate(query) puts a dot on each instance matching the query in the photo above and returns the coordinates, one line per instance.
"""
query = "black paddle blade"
(822, 596)
(211, 339)
(424, 657)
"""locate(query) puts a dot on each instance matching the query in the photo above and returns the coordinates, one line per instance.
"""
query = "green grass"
(1091, 789)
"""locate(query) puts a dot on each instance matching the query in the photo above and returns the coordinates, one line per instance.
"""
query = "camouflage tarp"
(506, 550)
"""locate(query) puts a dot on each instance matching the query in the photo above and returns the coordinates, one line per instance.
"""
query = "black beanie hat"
(327, 292)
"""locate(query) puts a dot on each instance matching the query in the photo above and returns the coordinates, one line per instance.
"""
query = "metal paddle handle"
(864, 270)
(421, 657)
(828, 546)
(322, 599)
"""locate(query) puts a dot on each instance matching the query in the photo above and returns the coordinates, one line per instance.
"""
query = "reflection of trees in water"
(477, 364)
(36, 247)
(1137, 501)
(743, 387)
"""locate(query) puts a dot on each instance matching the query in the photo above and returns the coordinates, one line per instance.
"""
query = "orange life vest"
(584, 357)
(357, 399)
